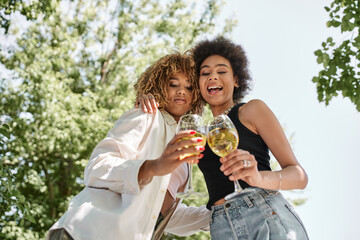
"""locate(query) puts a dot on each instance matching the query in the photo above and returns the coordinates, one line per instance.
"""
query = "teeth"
(214, 87)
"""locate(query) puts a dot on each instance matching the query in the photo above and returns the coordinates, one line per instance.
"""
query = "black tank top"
(217, 183)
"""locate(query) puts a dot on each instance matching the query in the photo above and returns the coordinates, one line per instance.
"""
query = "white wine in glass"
(223, 139)
(196, 123)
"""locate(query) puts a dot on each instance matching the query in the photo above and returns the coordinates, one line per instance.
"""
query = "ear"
(236, 83)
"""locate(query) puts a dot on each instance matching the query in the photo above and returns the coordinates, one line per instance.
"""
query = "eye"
(222, 70)
(189, 88)
(205, 73)
(173, 85)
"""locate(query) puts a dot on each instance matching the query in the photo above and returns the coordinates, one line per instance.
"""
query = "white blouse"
(178, 179)
(112, 205)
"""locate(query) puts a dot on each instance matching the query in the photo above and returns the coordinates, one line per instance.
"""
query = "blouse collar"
(168, 118)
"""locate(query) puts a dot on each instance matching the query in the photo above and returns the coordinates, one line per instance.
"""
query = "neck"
(219, 109)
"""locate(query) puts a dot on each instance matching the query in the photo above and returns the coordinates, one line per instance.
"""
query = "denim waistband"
(245, 199)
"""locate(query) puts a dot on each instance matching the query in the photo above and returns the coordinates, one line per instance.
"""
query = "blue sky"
(280, 38)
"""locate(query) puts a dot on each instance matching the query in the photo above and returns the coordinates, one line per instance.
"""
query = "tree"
(341, 60)
(71, 78)
(29, 9)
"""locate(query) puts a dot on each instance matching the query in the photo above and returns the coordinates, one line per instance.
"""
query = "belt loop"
(248, 201)
(270, 192)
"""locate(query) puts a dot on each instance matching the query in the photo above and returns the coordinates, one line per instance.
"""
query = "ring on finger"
(150, 97)
(246, 163)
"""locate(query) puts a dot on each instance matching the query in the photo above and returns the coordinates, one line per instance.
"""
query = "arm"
(114, 164)
(256, 116)
(189, 220)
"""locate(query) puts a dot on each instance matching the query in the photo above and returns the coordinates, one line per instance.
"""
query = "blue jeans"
(256, 214)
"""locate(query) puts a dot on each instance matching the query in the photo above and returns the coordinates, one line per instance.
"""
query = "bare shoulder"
(255, 107)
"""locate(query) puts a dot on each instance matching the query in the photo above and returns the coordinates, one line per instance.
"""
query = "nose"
(213, 76)
(181, 91)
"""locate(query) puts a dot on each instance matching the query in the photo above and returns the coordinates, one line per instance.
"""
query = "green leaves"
(340, 60)
(5, 131)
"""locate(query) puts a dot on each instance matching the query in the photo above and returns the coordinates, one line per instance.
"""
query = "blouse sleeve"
(188, 220)
(113, 164)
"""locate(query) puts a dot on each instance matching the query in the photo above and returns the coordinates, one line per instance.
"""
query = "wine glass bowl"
(222, 141)
(196, 123)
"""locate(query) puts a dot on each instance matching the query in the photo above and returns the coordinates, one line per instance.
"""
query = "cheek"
(202, 84)
(169, 93)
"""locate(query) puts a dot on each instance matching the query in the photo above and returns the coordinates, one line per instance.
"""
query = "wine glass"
(196, 123)
(223, 139)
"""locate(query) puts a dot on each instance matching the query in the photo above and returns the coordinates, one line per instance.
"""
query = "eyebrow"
(217, 65)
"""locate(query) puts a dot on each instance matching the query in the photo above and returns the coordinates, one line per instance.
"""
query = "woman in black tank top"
(260, 211)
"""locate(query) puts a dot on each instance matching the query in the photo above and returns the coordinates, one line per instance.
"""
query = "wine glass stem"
(190, 188)
(237, 186)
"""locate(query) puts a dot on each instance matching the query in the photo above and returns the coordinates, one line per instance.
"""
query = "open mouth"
(214, 89)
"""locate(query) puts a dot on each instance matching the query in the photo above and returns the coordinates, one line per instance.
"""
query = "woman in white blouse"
(134, 173)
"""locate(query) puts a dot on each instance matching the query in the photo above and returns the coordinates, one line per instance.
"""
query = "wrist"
(146, 172)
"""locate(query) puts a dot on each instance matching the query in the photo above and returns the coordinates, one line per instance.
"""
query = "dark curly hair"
(155, 79)
(234, 53)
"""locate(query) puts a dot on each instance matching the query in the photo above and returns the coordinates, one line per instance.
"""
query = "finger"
(242, 174)
(136, 104)
(189, 144)
(142, 105)
(181, 135)
(232, 154)
(193, 150)
(146, 100)
(184, 153)
(193, 159)
(154, 105)
(233, 160)
(238, 163)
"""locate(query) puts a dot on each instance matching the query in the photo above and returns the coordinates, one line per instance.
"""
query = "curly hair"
(234, 53)
(155, 79)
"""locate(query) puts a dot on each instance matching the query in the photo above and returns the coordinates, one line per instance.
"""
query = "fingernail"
(222, 168)
(226, 172)
(192, 132)
(201, 155)
(201, 148)
(199, 140)
(231, 178)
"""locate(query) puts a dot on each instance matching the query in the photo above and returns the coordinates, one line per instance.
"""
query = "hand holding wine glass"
(196, 123)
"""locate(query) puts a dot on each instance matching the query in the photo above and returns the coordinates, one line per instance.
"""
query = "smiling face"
(217, 83)
(179, 95)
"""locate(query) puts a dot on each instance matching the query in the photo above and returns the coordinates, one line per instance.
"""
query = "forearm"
(188, 220)
(147, 171)
(289, 178)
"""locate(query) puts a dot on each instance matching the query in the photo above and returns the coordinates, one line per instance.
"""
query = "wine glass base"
(233, 194)
(190, 195)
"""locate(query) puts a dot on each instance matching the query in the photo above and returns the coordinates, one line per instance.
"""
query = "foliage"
(71, 77)
(29, 9)
(340, 60)
(11, 199)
